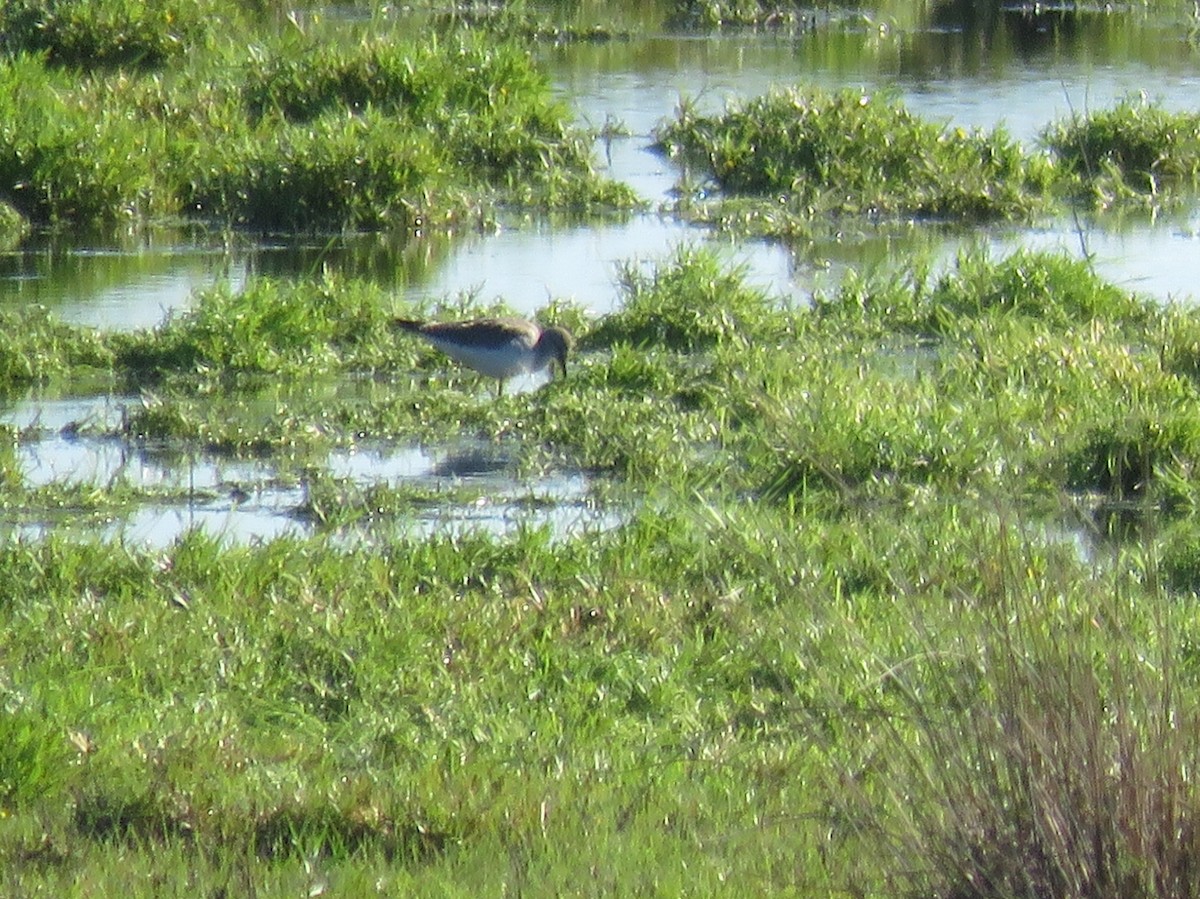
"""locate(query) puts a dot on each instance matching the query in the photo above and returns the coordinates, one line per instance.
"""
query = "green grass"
(116, 114)
(844, 640)
(869, 624)
(854, 153)
(785, 162)
(36, 348)
(466, 714)
(1136, 149)
(293, 132)
(104, 33)
(995, 372)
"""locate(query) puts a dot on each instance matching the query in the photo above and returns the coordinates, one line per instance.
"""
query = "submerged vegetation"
(900, 591)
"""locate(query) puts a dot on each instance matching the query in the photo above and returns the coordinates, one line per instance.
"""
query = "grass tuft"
(1056, 761)
(109, 33)
(1135, 149)
(32, 756)
(853, 153)
(784, 161)
(691, 303)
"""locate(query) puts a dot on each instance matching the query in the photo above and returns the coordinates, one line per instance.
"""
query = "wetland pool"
(459, 486)
(969, 71)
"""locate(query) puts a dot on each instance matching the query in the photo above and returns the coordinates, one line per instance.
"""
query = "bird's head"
(557, 344)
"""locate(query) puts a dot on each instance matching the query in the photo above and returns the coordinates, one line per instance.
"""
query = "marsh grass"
(994, 372)
(299, 129)
(1137, 149)
(1056, 758)
(385, 178)
(294, 132)
(35, 347)
(838, 645)
(270, 328)
(1022, 370)
(853, 153)
(784, 161)
(841, 640)
(881, 20)
(317, 683)
(104, 33)
(690, 304)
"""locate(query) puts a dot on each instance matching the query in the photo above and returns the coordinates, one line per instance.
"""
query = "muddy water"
(970, 65)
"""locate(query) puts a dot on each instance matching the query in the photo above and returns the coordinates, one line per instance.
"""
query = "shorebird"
(497, 347)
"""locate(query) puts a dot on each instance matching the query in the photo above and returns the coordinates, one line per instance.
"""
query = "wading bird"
(500, 348)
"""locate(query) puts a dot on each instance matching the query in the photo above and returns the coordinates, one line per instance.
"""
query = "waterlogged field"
(888, 591)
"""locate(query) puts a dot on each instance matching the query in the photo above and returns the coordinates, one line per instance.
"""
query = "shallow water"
(970, 65)
(252, 500)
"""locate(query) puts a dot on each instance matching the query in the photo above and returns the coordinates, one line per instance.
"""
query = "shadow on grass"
(286, 832)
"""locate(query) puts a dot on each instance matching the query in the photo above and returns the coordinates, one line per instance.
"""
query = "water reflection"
(966, 77)
(130, 282)
(67, 414)
(122, 281)
(1028, 31)
(159, 526)
(967, 64)
(71, 443)
(974, 65)
(533, 262)
(248, 512)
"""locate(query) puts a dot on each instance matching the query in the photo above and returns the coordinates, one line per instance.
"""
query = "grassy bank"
(866, 626)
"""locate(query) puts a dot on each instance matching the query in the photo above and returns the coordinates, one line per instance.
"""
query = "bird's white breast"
(503, 362)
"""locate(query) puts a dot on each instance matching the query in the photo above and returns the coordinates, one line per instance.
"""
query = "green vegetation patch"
(787, 160)
(692, 304)
(269, 328)
(993, 373)
(100, 33)
(363, 172)
(1136, 149)
(295, 132)
(832, 687)
(854, 153)
(35, 347)
(1044, 288)
(862, 626)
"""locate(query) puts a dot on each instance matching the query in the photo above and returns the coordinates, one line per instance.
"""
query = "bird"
(499, 348)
